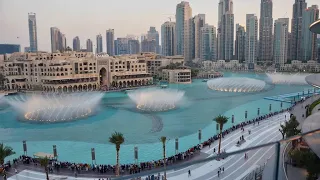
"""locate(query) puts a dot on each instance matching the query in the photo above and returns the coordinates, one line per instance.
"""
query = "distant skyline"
(87, 19)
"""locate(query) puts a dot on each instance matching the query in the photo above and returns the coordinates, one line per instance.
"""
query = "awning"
(43, 155)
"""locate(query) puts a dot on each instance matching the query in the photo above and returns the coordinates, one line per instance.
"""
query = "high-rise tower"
(308, 46)
(99, 44)
(240, 43)
(208, 43)
(251, 53)
(89, 45)
(265, 31)
(225, 30)
(33, 32)
(296, 28)
(76, 43)
(280, 44)
(183, 14)
(110, 42)
(168, 38)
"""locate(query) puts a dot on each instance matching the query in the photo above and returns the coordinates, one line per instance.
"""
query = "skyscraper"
(251, 53)
(89, 45)
(280, 46)
(225, 30)
(168, 38)
(33, 32)
(289, 46)
(76, 43)
(265, 31)
(54, 39)
(153, 34)
(308, 46)
(208, 43)
(199, 22)
(63, 42)
(183, 14)
(110, 42)
(58, 40)
(99, 44)
(296, 28)
(133, 46)
(149, 45)
(240, 43)
(121, 46)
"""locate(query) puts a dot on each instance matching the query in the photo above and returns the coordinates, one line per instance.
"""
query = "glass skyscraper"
(33, 32)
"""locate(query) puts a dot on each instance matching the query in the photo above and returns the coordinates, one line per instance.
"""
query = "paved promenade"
(235, 167)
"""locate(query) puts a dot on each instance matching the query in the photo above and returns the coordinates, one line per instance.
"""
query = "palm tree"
(44, 162)
(5, 151)
(117, 139)
(221, 120)
(163, 139)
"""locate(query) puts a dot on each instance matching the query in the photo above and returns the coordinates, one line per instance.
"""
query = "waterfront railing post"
(177, 145)
(277, 161)
(93, 156)
(136, 154)
(199, 136)
(55, 154)
(24, 147)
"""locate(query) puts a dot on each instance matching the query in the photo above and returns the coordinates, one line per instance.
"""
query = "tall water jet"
(287, 78)
(51, 108)
(236, 84)
(156, 99)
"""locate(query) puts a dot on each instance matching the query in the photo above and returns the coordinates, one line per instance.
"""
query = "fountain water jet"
(51, 108)
(236, 84)
(156, 99)
(286, 78)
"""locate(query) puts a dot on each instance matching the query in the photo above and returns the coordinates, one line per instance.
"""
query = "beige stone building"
(181, 75)
(51, 72)
(123, 71)
(155, 61)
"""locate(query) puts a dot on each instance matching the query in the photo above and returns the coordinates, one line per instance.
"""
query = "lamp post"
(93, 156)
(246, 115)
(24, 143)
(136, 154)
(177, 145)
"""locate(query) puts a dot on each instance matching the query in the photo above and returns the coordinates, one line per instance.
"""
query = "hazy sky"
(87, 18)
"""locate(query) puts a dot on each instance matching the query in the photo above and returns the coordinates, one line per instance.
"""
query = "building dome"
(236, 84)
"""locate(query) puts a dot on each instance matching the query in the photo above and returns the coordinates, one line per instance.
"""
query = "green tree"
(117, 139)
(5, 151)
(221, 120)
(312, 164)
(44, 163)
(194, 72)
(163, 139)
(292, 127)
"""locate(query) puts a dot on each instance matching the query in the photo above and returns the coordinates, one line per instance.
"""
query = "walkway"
(235, 167)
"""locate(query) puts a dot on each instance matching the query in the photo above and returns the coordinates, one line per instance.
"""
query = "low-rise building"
(298, 66)
(181, 75)
(123, 71)
(51, 72)
(232, 65)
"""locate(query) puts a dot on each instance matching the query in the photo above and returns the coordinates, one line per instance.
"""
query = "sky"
(87, 18)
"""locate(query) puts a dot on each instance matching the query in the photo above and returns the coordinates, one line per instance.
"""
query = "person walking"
(189, 173)
(218, 173)
(222, 169)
